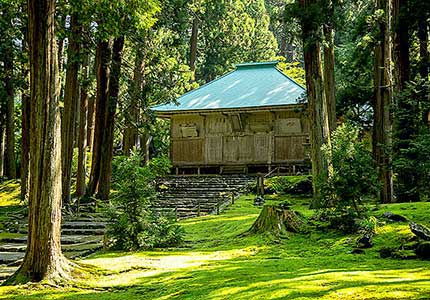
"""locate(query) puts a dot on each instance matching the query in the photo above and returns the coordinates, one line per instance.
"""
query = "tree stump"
(275, 219)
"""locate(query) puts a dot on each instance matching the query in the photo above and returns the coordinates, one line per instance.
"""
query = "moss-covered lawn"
(216, 264)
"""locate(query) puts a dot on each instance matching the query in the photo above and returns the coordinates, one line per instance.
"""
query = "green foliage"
(234, 32)
(294, 70)
(411, 140)
(292, 185)
(353, 179)
(368, 225)
(133, 225)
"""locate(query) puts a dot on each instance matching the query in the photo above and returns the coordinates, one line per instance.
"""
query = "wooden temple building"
(250, 120)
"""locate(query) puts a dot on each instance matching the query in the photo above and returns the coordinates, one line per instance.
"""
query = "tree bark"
(43, 259)
(193, 43)
(276, 220)
(131, 133)
(317, 106)
(71, 96)
(382, 127)
(9, 156)
(406, 125)
(82, 137)
(109, 125)
(25, 146)
(103, 55)
(25, 125)
(423, 37)
(329, 81)
(2, 143)
(90, 122)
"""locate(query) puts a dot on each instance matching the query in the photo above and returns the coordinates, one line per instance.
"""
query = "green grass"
(215, 263)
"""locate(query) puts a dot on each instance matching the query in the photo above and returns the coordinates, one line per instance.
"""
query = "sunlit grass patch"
(9, 193)
(216, 262)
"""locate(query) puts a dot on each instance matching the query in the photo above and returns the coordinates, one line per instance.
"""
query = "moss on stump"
(276, 220)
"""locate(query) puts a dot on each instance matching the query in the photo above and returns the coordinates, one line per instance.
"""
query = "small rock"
(394, 217)
(365, 241)
(420, 231)
(423, 250)
(259, 201)
(357, 251)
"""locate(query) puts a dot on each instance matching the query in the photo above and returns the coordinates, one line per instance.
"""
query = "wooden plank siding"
(249, 138)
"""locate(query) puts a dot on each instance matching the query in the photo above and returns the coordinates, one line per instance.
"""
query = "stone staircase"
(81, 235)
(195, 195)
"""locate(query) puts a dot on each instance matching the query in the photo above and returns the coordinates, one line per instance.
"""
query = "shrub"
(354, 179)
(292, 185)
(133, 224)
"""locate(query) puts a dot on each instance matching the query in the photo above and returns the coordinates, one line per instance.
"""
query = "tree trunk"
(131, 133)
(82, 137)
(90, 121)
(318, 115)
(276, 220)
(2, 143)
(329, 81)
(25, 125)
(193, 43)
(423, 37)
(25, 146)
(43, 259)
(406, 125)
(109, 125)
(9, 156)
(103, 54)
(382, 127)
(71, 96)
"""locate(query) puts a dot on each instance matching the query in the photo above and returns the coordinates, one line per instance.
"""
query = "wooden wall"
(257, 138)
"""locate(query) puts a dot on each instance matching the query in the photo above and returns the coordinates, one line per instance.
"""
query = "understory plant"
(353, 181)
(133, 222)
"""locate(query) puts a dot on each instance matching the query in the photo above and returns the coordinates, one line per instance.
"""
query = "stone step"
(189, 194)
(76, 231)
(65, 239)
(66, 248)
(12, 247)
(83, 231)
(83, 225)
(5, 272)
(10, 257)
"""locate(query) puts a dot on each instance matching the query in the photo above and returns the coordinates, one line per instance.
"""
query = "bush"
(133, 224)
(346, 220)
(292, 185)
(354, 179)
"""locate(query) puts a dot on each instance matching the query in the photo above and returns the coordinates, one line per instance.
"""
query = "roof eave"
(168, 114)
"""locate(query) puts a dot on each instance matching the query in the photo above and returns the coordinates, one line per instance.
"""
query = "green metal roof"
(251, 85)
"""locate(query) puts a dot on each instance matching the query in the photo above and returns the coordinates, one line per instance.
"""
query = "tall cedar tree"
(132, 117)
(318, 114)
(107, 99)
(8, 68)
(329, 61)
(71, 105)
(406, 126)
(43, 258)
(82, 129)
(383, 94)
(103, 56)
